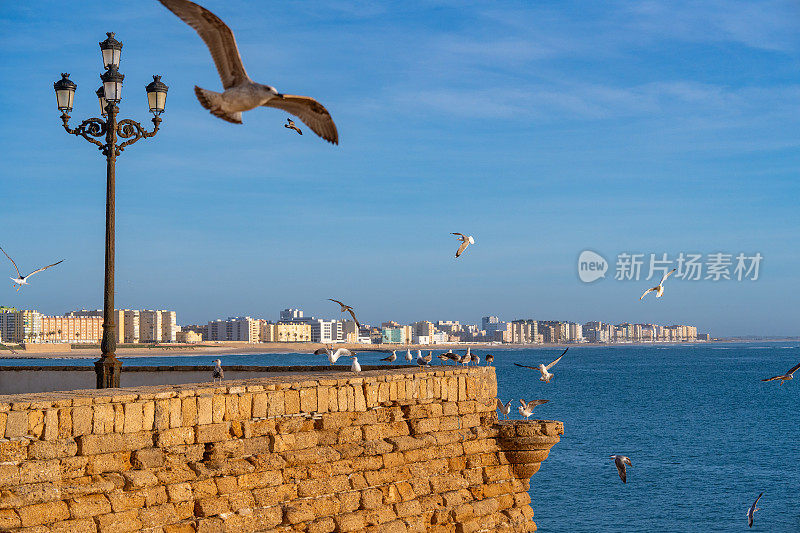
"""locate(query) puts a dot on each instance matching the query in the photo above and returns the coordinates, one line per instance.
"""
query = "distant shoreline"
(307, 347)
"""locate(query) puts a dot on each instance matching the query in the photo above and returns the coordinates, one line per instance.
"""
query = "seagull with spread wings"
(291, 125)
(784, 377)
(348, 309)
(621, 461)
(466, 240)
(505, 409)
(527, 407)
(752, 510)
(333, 356)
(546, 376)
(241, 93)
(392, 358)
(21, 280)
(659, 289)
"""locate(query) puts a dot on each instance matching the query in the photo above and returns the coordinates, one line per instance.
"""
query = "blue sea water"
(704, 434)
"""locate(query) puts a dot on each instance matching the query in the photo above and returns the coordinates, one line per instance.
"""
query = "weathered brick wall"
(399, 450)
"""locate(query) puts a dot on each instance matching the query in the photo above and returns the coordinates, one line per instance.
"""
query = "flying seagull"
(527, 407)
(334, 355)
(752, 510)
(348, 309)
(290, 124)
(785, 377)
(355, 367)
(659, 289)
(504, 409)
(621, 461)
(242, 93)
(392, 358)
(546, 376)
(217, 373)
(465, 241)
(21, 280)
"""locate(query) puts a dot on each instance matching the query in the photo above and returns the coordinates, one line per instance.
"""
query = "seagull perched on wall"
(217, 373)
(466, 358)
(546, 376)
(333, 356)
(659, 289)
(466, 240)
(621, 461)
(424, 361)
(443, 358)
(504, 409)
(452, 356)
(489, 359)
(409, 357)
(290, 124)
(21, 280)
(354, 366)
(752, 510)
(527, 407)
(784, 377)
(392, 358)
(241, 93)
(348, 309)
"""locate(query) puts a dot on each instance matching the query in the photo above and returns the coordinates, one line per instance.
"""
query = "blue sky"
(542, 129)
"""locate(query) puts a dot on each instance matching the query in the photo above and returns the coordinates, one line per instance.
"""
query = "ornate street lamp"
(109, 95)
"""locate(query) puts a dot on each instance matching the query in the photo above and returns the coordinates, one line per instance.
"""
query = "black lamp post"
(109, 95)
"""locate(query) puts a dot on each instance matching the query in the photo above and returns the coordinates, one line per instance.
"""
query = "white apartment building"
(240, 328)
(289, 315)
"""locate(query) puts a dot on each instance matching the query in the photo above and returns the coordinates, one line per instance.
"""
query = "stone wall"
(389, 451)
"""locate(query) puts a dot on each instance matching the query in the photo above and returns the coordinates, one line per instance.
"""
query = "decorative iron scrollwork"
(133, 131)
(89, 128)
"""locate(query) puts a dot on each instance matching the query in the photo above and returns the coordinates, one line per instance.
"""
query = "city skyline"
(560, 136)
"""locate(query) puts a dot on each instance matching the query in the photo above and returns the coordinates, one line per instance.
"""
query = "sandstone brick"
(43, 513)
(212, 432)
(183, 527)
(16, 424)
(175, 436)
(204, 410)
(82, 420)
(88, 506)
(80, 525)
(298, 511)
(123, 522)
(52, 449)
(40, 471)
(189, 411)
(354, 521)
(211, 506)
(108, 462)
(147, 458)
(158, 515)
(97, 444)
(9, 519)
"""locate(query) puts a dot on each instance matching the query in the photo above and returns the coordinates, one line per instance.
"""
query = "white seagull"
(21, 280)
(546, 376)
(784, 377)
(504, 409)
(465, 241)
(476, 359)
(242, 93)
(355, 367)
(334, 355)
(392, 358)
(659, 289)
(752, 510)
(409, 357)
(466, 358)
(527, 407)
(217, 373)
(621, 461)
